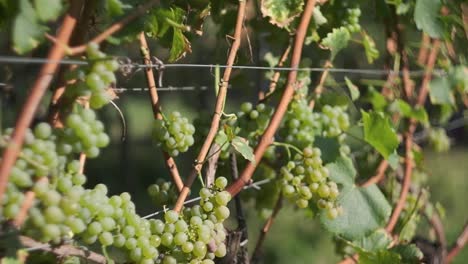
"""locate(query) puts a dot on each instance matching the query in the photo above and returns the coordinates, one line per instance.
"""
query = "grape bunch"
(82, 133)
(162, 193)
(38, 156)
(306, 178)
(173, 134)
(300, 125)
(334, 120)
(251, 121)
(93, 80)
(439, 140)
(197, 235)
(352, 23)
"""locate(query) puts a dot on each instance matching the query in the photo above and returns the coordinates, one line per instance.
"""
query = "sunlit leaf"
(281, 13)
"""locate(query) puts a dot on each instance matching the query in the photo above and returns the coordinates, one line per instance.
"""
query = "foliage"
(313, 143)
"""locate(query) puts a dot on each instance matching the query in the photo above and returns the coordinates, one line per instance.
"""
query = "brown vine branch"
(406, 183)
(218, 108)
(64, 250)
(38, 89)
(379, 175)
(170, 162)
(79, 36)
(140, 10)
(319, 89)
(281, 109)
(423, 50)
(428, 73)
(409, 138)
(458, 246)
(264, 231)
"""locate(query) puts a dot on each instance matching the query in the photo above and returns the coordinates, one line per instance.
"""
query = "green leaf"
(180, 46)
(336, 40)
(27, 33)
(406, 110)
(427, 17)
(376, 241)
(353, 89)
(280, 12)
(241, 145)
(410, 253)
(115, 7)
(330, 148)
(48, 10)
(319, 19)
(393, 160)
(381, 257)
(374, 97)
(379, 133)
(440, 91)
(364, 209)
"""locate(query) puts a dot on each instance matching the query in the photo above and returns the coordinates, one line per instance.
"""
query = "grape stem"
(264, 231)
(64, 250)
(262, 97)
(282, 107)
(319, 88)
(153, 92)
(218, 107)
(287, 147)
(36, 92)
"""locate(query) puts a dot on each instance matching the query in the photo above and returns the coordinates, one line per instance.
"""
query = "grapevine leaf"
(364, 209)
(336, 40)
(381, 257)
(319, 19)
(406, 110)
(48, 10)
(376, 241)
(426, 16)
(241, 145)
(440, 91)
(180, 45)
(330, 148)
(115, 7)
(280, 12)
(377, 100)
(410, 253)
(379, 133)
(27, 33)
(353, 89)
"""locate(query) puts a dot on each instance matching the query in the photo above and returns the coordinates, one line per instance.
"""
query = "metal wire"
(129, 64)
(161, 89)
(254, 185)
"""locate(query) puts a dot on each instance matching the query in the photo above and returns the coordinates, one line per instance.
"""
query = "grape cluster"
(173, 134)
(253, 121)
(439, 140)
(93, 81)
(352, 23)
(300, 125)
(83, 133)
(306, 178)
(334, 120)
(38, 156)
(197, 235)
(162, 193)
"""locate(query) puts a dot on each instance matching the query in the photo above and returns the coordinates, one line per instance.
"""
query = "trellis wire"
(159, 66)
(255, 185)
